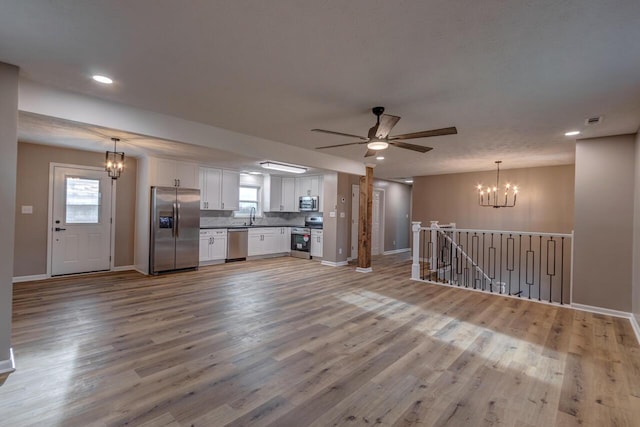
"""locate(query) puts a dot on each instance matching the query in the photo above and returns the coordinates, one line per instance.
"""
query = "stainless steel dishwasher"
(237, 242)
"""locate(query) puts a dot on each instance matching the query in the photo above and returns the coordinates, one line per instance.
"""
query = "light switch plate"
(26, 209)
(332, 214)
(341, 214)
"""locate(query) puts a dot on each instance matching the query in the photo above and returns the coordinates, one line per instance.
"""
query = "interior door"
(81, 221)
(355, 211)
(376, 241)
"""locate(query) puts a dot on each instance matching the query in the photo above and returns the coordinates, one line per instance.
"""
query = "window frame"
(258, 201)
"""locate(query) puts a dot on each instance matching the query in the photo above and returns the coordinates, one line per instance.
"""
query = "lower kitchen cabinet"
(269, 240)
(213, 245)
(316, 243)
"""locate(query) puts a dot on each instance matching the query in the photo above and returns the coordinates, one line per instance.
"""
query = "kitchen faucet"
(252, 215)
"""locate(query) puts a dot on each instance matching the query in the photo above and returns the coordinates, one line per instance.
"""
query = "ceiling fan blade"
(370, 153)
(387, 122)
(426, 133)
(342, 145)
(340, 134)
(408, 146)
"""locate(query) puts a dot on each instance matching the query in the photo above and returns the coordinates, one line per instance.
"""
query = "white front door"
(81, 220)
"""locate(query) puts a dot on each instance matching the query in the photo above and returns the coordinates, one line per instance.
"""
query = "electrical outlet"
(339, 251)
(394, 243)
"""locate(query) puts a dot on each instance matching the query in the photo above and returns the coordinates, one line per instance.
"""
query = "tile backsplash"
(226, 218)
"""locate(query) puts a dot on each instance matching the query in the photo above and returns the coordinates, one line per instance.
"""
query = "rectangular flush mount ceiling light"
(282, 167)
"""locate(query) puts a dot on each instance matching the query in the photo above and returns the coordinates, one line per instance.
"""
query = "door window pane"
(82, 201)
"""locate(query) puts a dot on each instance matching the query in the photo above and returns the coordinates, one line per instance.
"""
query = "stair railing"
(523, 264)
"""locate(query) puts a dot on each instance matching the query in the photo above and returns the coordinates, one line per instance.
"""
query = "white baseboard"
(635, 326)
(124, 268)
(19, 279)
(396, 251)
(8, 366)
(614, 313)
(364, 270)
(334, 264)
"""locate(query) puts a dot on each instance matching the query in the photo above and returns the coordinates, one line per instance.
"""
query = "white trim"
(124, 268)
(334, 264)
(112, 236)
(8, 366)
(144, 273)
(635, 326)
(601, 310)
(471, 230)
(396, 251)
(52, 166)
(613, 313)
(364, 270)
(31, 278)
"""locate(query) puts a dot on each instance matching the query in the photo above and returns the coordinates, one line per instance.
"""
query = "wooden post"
(364, 222)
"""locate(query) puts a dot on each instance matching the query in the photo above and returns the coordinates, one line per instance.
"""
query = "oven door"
(301, 242)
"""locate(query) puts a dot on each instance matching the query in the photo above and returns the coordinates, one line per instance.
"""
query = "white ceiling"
(512, 76)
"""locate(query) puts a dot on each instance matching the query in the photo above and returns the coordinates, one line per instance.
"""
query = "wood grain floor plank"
(289, 342)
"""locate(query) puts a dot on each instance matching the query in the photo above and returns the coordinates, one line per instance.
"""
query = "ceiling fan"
(378, 137)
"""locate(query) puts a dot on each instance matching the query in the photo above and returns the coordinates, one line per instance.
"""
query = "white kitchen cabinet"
(219, 189)
(281, 195)
(213, 245)
(289, 199)
(210, 187)
(283, 238)
(230, 191)
(261, 241)
(171, 173)
(316, 243)
(269, 240)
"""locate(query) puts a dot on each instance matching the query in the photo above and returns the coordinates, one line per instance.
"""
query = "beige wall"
(545, 202)
(397, 208)
(636, 235)
(604, 222)
(397, 213)
(8, 153)
(33, 189)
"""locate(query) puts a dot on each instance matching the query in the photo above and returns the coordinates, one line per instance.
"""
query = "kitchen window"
(249, 198)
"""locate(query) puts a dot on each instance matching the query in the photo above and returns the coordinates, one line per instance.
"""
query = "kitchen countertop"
(209, 227)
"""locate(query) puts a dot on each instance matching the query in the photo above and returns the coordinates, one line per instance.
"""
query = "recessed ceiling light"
(380, 158)
(572, 133)
(102, 79)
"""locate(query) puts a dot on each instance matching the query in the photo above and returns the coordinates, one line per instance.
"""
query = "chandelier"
(114, 161)
(491, 198)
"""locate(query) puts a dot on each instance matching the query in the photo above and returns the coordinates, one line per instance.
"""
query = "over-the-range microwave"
(308, 204)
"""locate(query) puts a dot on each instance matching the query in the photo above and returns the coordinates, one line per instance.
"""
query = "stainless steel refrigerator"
(175, 229)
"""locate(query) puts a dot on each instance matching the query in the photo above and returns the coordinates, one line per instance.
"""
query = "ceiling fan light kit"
(378, 136)
(489, 198)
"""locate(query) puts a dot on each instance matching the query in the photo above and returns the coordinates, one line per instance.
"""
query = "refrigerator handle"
(178, 221)
(175, 221)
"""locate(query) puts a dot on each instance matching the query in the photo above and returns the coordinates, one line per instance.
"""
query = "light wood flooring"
(288, 342)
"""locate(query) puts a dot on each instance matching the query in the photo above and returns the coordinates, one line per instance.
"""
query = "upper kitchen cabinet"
(279, 194)
(308, 186)
(230, 190)
(219, 189)
(210, 188)
(172, 173)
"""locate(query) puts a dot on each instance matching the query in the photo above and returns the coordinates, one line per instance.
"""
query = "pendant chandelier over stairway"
(492, 198)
